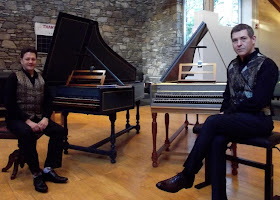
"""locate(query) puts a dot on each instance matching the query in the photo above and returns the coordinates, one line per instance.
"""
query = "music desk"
(168, 140)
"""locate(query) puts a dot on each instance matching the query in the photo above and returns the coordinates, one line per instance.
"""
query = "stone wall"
(163, 38)
(147, 33)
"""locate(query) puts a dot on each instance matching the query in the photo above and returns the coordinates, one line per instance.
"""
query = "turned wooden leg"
(186, 122)
(234, 165)
(15, 170)
(154, 133)
(64, 116)
(167, 142)
(137, 117)
(12, 158)
(113, 151)
(127, 119)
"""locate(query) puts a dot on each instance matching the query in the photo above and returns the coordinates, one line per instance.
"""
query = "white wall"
(248, 12)
(269, 30)
(221, 37)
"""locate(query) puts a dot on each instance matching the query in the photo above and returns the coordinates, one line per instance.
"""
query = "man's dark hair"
(241, 27)
(28, 49)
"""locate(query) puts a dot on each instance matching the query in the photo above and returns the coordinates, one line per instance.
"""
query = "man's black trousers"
(27, 141)
(213, 139)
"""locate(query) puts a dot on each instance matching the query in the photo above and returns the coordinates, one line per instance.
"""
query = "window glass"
(43, 43)
(228, 10)
(191, 6)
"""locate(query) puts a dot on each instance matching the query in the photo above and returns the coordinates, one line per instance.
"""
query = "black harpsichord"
(77, 46)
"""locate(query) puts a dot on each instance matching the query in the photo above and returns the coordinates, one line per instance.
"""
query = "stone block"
(9, 25)
(4, 36)
(41, 19)
(2, 64)
(15, 66)
(8, 44)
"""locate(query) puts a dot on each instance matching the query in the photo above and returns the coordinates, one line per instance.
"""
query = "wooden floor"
(132, 177)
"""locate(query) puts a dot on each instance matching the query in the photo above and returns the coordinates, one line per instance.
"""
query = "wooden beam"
(276, 4)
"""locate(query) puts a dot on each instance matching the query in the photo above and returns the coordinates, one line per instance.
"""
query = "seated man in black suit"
(245, 113)
(28, 103)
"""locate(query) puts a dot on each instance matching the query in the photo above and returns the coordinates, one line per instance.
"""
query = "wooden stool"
(16, 157)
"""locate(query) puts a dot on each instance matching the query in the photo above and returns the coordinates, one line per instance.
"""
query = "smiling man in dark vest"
(29, 108)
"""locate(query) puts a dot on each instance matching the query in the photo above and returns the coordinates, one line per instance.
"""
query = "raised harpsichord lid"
(186, 55)
(72, 37)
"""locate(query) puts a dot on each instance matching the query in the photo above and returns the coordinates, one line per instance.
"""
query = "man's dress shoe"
(176, 183)
(53, 177)
(40, 184)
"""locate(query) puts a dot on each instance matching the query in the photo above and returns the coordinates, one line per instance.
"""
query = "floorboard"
(132, 177)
